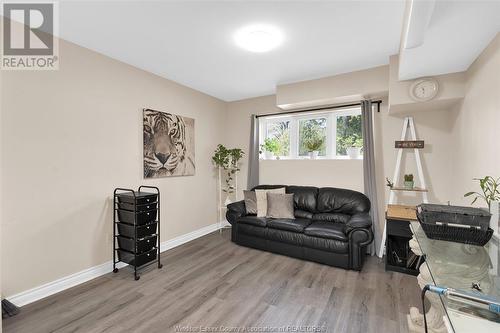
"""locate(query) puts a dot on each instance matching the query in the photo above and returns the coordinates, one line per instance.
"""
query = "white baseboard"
(51, 288)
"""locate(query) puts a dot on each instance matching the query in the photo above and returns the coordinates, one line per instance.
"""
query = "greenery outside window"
(332, 133)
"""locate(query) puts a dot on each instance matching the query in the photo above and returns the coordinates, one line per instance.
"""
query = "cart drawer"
(139, 208)
(141, 198)
(127, 216)
(142, 258)
(142, 245)
(128, 230)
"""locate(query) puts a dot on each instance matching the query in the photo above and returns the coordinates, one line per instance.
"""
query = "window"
(329, 134)
(278, 132)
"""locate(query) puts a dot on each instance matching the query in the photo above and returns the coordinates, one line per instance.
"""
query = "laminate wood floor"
(213, 284)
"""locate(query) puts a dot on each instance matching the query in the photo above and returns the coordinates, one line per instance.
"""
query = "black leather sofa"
(332, 226)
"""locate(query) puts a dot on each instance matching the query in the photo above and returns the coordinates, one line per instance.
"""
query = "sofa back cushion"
(304, 197)
(342, 201)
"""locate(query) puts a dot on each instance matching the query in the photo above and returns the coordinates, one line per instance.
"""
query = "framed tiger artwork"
(168, 145)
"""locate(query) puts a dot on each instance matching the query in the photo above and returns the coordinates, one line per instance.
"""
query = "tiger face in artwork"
(165, 145)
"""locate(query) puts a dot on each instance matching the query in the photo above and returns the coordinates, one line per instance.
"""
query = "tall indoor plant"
(228, 159)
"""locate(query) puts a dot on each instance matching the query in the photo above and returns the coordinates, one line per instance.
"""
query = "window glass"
(279, 133)
(312, 136)
(348, 133)
(332, 134)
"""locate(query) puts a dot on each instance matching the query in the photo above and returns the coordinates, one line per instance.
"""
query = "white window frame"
(331, 132)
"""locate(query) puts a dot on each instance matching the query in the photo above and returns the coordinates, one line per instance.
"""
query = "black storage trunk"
(144, 217)
(455, 223)
(142, 245)
(136, 228)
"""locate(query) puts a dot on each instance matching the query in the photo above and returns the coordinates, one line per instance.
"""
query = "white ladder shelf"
(407, 124)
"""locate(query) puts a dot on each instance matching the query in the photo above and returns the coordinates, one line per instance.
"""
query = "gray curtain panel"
(369, 176)
(253, 154)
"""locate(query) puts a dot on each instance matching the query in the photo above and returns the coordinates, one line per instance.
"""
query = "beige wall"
(335, 89)
(69, 137)
(321, 173)
(477, 127)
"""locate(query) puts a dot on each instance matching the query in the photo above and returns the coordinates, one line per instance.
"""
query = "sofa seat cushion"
(253, 220)
(295, 225)
(253, 231)
(325, 244)
(284, 236)
(330, 230)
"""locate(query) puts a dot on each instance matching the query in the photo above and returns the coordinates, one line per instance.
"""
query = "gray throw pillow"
(262, 200)
(280, 206)
(250, 202)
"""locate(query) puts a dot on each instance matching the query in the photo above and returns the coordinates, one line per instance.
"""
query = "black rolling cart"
(136, 227)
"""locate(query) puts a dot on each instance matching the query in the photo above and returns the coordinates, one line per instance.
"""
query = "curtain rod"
(318, 109)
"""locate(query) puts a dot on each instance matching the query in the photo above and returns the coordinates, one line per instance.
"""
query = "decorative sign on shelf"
(419, 144)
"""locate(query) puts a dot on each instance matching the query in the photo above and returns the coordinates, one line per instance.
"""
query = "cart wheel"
(115, 270)
(137, 278)
(160, 266)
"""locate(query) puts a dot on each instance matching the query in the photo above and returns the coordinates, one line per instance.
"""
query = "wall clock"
(424, 89)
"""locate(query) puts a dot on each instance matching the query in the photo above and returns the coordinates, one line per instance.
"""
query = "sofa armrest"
(359, 231)
(235, 210)
(358, 221)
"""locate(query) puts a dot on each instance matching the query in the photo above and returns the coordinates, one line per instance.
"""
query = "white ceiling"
(457, 33)
(192, 42)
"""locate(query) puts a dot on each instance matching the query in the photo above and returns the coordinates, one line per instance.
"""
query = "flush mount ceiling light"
(258, 37)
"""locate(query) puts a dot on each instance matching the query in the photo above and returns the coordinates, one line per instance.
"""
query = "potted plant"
(228, 159)
(270, 147)
(354, 145)
(490, 188)
(313, 146)
(408, 181)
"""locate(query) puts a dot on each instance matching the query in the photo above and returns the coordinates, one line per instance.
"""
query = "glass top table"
(459, 266)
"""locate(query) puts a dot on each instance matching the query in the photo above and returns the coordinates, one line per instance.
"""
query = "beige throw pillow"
(280, 206)
(262, 200)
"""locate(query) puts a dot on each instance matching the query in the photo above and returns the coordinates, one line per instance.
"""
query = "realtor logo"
(28, 36)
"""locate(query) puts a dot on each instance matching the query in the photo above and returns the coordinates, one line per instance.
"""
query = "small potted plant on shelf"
(270, 147)
(409, 181)
(354, 145)
(313, 146)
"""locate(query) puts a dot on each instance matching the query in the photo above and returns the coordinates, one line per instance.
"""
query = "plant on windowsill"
(270, 148)
(354, 144)
(409, 183)
(228, 159)
(313, 146)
